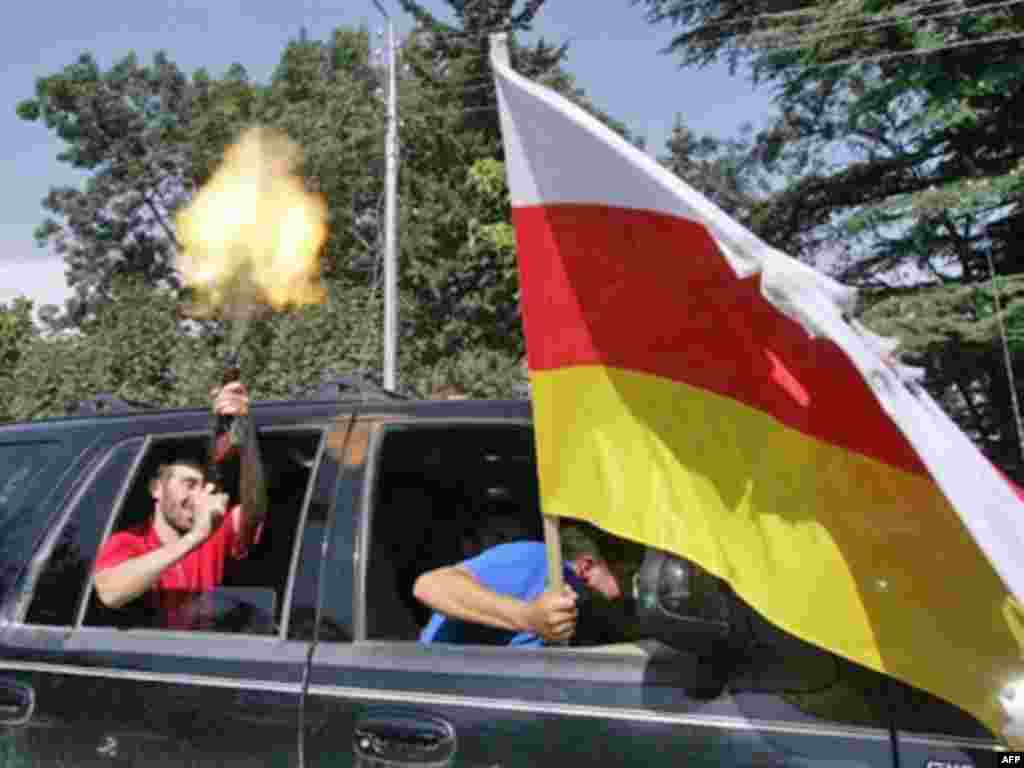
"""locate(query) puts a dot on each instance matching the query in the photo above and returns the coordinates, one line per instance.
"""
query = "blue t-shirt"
(519, 570)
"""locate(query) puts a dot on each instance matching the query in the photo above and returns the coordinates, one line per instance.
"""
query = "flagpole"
(391, 217)
(552, 536)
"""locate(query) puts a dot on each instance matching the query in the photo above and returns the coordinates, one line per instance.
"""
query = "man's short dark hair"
(580, 538)
(163, 470)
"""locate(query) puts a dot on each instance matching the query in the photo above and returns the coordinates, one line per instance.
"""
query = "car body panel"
(102, 696)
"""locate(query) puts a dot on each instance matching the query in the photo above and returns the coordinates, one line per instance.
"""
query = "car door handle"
(404, 738)
(17, 702)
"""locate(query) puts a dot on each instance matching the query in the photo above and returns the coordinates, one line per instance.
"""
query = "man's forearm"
(119, 585)
(457, 594)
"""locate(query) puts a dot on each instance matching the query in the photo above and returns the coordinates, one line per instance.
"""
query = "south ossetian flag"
(700, 392)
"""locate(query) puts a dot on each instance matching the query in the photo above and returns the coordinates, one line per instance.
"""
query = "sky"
(614, 54)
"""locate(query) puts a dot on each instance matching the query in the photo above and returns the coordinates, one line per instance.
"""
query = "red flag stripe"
(598, 273)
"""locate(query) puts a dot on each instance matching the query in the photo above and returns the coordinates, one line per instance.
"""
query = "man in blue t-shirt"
(499, 596)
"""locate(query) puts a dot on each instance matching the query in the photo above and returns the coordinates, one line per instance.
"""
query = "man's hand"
(209, 514)
(553, 615)
(231, 399)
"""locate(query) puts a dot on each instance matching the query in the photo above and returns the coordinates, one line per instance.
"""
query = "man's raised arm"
(233, 400)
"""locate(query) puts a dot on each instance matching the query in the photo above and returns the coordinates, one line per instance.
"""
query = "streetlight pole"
(390, 216)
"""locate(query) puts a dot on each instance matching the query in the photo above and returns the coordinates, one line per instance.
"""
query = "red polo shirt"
(200, 570)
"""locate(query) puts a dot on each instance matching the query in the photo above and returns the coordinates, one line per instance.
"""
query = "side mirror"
(682, 605)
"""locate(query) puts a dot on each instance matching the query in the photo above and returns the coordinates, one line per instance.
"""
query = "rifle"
(226, 432)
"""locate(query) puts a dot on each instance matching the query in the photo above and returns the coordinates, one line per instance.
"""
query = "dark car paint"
(115, 697)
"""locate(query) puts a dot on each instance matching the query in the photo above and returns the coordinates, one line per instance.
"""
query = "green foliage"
(130, 347)
(458, 268)
(901, 173)
(729, 172)
(16, 329)
(147, 137)
(125, 128)
(16, 333)
(1002, 298)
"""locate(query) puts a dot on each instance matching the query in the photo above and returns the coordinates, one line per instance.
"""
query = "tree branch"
(160, 220)
(979, 422)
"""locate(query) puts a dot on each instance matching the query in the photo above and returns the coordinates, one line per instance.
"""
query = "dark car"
(308, 654)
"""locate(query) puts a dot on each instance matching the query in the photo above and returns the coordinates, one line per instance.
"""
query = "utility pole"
(390, 216)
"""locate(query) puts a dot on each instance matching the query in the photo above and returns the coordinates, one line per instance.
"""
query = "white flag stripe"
(556, 153)
(602, 168)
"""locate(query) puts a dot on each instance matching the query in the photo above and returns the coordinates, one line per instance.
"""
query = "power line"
(823, 21)
(474, 88)
(441, 111)
(803, 37)
(810, 12)
(991, 39)
(466, 55)
(475, 34)
(799, 41)
(1007, 360)
(822, 18)
(818, 19)
(917, 51)
(467, 86)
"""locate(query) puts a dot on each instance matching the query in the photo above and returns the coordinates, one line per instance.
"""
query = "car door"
(107, 694)
(935, 733)
(382, 697)
(38, 468)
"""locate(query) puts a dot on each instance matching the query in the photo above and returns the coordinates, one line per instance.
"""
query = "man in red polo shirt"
(183, 548)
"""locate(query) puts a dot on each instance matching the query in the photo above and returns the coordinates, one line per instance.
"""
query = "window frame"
(148, 441)
(300, 531)
(80, 458)
(626, 665)
(44, 552)
(630, 654)
(379, 426)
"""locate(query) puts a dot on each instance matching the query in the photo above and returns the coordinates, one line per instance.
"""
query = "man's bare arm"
(456, 593)
(120, 584)
(233, 400)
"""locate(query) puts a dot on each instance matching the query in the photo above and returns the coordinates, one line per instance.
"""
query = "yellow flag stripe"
(839, 549)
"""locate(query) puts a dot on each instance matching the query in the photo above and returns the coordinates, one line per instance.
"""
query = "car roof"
(161, 419)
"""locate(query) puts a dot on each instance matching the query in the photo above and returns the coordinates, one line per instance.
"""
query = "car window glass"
(23, 469)
(335, 625)
(443, 495)
(58, 591)
(289, 460)
(447, 494)
(29, 472)
(250, 597)
(20, 464)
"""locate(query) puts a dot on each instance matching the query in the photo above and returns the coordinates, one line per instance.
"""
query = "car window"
(444, 495)
(290, 461)
(20, 464)
(25, 468)
(249, 599)
(334, 624)
(59, 588)
(441, 494)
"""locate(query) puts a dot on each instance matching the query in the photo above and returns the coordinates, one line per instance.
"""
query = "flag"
(700, 392)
